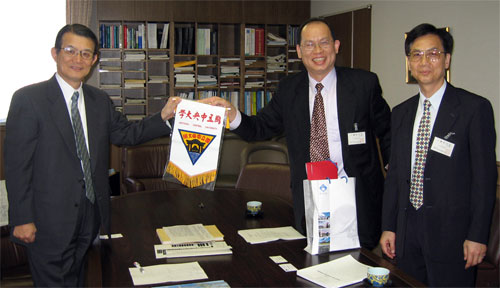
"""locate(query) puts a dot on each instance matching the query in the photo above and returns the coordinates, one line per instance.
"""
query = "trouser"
(66, 269)
(417, 263)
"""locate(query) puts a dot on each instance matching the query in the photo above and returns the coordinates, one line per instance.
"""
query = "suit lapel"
(406, 135)
(446, 117)
(346, 110)
(92, 115)
(60, 115)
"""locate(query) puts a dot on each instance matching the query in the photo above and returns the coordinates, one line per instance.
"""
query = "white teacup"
(378, 276)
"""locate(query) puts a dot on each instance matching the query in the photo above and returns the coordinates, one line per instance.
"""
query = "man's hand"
(474, 253)
(25, 232)
(168, 110)
(388, 243)
(217, 101)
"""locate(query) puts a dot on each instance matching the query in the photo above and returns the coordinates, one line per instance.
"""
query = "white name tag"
(356, 138)
(442, 146)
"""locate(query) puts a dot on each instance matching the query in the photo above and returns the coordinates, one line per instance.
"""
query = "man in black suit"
(58, 195)
(439, 193)
(355, 113)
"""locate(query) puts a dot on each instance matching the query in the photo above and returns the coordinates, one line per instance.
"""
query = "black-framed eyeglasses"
(432, 54)
(323, 44)
(72, 51)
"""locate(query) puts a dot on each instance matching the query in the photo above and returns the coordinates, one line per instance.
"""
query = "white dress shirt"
(435, 100)
(68, 91)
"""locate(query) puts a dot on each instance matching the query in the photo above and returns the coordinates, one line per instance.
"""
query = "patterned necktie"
(81, 147)
(319, 138)
(422, 145)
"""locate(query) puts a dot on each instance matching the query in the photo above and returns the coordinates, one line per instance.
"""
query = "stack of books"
(190, 240)
(184, 80)
(273, 39)
(134, 56)
(207, 80)
(276, 63)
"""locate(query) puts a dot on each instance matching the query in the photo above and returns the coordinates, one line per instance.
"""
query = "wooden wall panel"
(342, 27)
(362, 38)
(225, 11)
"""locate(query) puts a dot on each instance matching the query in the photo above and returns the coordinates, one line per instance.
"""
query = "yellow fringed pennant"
(190, 181)
(196, 140)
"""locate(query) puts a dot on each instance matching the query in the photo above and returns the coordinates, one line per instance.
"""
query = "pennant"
(196, 140)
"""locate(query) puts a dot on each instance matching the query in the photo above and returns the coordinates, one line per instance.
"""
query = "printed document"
(167, 273)
(263, 235)
(336, 273)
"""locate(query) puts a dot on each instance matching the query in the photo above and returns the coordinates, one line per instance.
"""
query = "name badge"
(356, 138)
(442, 146)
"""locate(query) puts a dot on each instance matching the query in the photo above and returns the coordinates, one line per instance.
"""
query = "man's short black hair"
(80, 30)
(315, 19)
(425, 29)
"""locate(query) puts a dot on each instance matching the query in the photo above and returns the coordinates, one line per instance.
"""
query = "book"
(152, 40)
(212, 230)
(259, 42)
(164, 36)
(184, 63)
(192, 249)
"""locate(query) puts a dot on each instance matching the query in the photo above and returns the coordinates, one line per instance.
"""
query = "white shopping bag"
(330, 208)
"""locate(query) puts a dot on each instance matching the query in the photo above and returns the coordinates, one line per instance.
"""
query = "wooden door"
(353, 30)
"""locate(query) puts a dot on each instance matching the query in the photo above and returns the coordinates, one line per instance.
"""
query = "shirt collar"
(435, 99)
(67, 89)
(327, 82)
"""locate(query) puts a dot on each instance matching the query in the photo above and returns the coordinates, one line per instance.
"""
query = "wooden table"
(137, 215)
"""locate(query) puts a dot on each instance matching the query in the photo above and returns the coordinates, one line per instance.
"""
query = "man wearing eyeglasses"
(440, 187)
(57, 145)
(355, 115)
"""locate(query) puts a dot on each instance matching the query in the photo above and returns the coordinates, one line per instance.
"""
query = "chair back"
(264, 152)
(272, 178)
(229, 164)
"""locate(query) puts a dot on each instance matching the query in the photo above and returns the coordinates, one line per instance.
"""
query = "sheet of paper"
(336, 273)
(167, 273)
(287, 267)
(278, 259)
(4, 205)
(263, 235)
(188, 233)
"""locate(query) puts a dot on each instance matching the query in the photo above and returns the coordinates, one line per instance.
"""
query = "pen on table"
(136, 264)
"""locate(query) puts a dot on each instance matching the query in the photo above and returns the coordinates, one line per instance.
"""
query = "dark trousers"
(66, 269)
(417, 263)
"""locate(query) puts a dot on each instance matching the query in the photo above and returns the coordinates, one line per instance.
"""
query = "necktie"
(422, 145)
(81, 147)
(319, 139)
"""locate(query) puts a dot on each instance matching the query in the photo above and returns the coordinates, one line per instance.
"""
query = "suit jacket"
(43, 173)
(459, 191)
(359, 101)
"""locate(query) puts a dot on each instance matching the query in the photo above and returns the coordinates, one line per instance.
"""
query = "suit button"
(76, 204)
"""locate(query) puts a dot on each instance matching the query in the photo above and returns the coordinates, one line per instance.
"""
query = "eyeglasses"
(72, 51)
(323, 44)
(432, 55)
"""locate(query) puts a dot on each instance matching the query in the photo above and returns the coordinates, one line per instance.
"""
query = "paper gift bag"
(330, 208)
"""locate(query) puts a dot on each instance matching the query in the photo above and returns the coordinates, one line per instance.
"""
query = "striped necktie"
(422, 145)
(81, 147)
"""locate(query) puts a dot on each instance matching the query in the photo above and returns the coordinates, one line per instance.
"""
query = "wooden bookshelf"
(241, 62)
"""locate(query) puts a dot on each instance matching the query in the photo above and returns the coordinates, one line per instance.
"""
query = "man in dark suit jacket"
(48, 207)
(353, 104)
(438, 236)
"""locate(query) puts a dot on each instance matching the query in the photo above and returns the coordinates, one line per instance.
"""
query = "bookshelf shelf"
(139, 70)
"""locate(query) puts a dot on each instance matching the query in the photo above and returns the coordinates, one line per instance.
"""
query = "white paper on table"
(167, 273)
(336, 273)
(263, 235)
(188, 233)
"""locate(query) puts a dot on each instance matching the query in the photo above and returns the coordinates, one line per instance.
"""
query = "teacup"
(378, 276)
(254, 207)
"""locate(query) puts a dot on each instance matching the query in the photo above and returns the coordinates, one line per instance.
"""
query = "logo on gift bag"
(195, 143)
